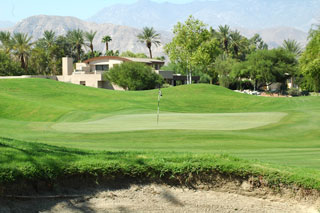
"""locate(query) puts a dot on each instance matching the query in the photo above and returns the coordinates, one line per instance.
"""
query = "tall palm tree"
(49, 38)
(75, 37)
(106, 39)
(5, 39)
(292, 46)
(89, 36)
(235, 41)
(149, 36)
(224, 32)
(22, 47)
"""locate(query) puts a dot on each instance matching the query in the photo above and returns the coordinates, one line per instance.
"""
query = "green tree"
(149, 36)
(89, 36)
(223, 66)
(224, 35)
(106, 39)
(309, 60)
(75, 37)
(257, 43)
(40, 61)
(265, 67)
(292, 46)
(22, 47)
(9, 67)
(89, 55)
(133, 55)
(134, 76)
(193, 47)
(113, 53)
(5, 39)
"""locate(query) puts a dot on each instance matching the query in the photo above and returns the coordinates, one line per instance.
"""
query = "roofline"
(121, 59)
(105, 57)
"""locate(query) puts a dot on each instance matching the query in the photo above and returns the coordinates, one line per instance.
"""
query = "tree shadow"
(169, 197)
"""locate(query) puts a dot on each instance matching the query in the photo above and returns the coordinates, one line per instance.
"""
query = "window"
(102, 67)
(83, 83)
(102, 84)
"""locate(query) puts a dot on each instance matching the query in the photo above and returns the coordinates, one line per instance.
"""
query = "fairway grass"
(170, 121)
(198, 119)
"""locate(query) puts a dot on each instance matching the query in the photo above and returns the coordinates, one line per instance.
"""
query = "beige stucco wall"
(90, 79)
(67, 66)
(111, 63)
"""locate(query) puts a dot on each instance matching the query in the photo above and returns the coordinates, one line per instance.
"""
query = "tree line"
(224, 56)
(219, 56)
(19, 55)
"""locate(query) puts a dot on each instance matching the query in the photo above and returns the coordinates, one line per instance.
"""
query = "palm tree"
(149, 36)
(5, 39)
(89, 36)
(292, 46)
(235, 41)
(22, 47)
(106, 39)
(224, 32)
(75, 37)
(49, 38)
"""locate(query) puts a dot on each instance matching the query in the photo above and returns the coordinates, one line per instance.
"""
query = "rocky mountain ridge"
(250, 14)
(124, 37)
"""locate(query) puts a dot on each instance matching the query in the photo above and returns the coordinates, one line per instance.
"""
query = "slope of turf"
(74, 116)
(23, 162)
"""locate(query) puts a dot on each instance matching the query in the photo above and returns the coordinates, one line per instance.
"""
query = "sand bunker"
(157, 198)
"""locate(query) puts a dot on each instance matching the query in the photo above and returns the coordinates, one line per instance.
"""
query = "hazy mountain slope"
(254, 14)
(274, 37)
(123, 38)
(6, 24)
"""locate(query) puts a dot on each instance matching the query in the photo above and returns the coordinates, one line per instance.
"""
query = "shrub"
(134, 76)
(8, 67)
(166, 85)
(294, 92)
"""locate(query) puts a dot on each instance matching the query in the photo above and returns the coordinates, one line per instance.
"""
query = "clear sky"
(15, 10)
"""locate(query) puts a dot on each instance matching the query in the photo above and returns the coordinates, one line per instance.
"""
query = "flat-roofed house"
(90, 72)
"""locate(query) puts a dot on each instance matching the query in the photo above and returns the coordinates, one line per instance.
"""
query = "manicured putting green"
(185, 121)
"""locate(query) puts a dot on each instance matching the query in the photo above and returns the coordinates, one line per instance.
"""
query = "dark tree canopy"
(8, 67)
(134, 76)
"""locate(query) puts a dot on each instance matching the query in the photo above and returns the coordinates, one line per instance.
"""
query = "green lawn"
(196, 119)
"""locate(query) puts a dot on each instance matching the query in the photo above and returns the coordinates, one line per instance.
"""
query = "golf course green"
(194, 119)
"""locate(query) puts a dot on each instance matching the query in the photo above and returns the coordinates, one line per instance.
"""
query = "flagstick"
(159, 94)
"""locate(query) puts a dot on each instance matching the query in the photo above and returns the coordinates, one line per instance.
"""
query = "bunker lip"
(202, 193)
(176, 121)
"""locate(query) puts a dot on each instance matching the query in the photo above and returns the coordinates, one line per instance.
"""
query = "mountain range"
(123, 37)
(6, 24)
(274, 20)
(250, 14)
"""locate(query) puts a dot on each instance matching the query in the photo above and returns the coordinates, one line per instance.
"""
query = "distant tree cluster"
(43, 56)
(224, 56)
(20, 55)
(221, 56)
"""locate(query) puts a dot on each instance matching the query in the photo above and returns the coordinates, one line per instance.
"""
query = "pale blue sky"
(15, 10)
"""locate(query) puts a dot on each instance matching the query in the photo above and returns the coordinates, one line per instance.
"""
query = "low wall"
(29, 76)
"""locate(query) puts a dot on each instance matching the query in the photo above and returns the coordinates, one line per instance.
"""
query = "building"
(90, 72)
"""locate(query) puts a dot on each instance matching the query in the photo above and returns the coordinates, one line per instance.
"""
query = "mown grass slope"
(23, 162)
(30, 108)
